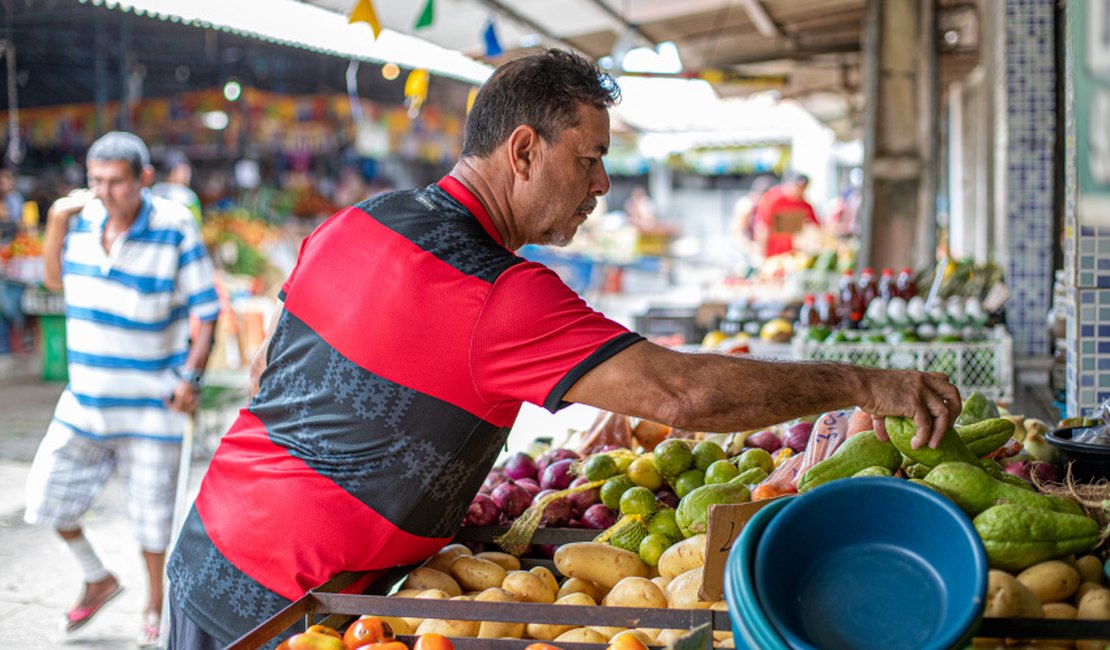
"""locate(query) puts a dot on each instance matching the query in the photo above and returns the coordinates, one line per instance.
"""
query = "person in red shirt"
(782, 212)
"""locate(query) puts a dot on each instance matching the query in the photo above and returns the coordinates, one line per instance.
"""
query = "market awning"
(312, 28)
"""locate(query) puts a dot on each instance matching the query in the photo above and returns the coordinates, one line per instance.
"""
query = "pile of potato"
(594, 574)
(1066, 589)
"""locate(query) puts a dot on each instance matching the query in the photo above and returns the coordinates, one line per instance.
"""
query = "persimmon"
(626, 642)
(323, 629)
(312, 641)
(392, 644)
(433, 641)
(366, 630)
(542, 646)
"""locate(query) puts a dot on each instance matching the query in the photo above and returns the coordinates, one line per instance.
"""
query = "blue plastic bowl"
(871, 563)
(750, 627)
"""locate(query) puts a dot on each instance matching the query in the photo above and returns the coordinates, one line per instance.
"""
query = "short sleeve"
(535, 338)
(196, 277)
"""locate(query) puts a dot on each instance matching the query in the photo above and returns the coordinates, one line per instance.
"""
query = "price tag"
(725, 523)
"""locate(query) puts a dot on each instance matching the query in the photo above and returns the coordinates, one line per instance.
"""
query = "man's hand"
(184, 398)
(926, 397)
(69, 205)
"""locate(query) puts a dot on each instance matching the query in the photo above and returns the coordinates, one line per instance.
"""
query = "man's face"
(568, 180)
(114, 182)
(798, 189)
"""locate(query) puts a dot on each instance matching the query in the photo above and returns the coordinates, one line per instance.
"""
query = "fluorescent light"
(663, 59)
(215, 120)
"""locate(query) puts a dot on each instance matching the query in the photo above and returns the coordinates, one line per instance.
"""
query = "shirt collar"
(460, 193)
(141, 223)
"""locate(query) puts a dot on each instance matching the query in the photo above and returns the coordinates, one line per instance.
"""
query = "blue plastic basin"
(750, 627)
(871, 563)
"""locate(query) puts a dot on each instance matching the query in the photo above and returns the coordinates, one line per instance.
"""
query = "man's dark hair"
(541, 90)
(121, 145)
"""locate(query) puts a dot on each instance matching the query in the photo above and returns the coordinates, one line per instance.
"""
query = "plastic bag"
(781, 481)
(830, 430)
(1097, 435)
(608, 430)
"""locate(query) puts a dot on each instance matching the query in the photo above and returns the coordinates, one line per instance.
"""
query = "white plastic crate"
(984, 366)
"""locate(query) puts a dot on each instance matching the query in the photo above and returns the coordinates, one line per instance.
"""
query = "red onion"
(544, 550)
(557, 513)
(493, 479)
(798, 436)
(530, 486)
(766, 440)
(1027, 469)
(665, 497)
(557, 475)
(598, 517)
(579, 501)
(520, 465)
(482, 512)
(552, 455)
(511, 499)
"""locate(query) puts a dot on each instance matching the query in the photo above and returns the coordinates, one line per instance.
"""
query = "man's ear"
(147, 177)
(524, 146)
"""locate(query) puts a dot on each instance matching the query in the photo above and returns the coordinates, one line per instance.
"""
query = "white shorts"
(69, 470)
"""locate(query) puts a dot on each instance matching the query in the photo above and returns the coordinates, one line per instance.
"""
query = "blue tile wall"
(1031, 138)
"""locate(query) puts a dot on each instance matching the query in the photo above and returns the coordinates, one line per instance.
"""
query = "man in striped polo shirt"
(134, 269)
(409, 337)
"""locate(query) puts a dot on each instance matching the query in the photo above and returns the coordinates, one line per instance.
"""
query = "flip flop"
(79, 616)
(151, 634)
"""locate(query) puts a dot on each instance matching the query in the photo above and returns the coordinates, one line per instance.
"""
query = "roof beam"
(784, 51)
(511, 13)
(606, 9)
(762, 21)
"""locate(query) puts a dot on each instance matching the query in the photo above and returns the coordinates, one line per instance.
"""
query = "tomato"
(542, 646)
(433, 641)
(312, 641)
(626, 642)
(367, 630)
(392, 644)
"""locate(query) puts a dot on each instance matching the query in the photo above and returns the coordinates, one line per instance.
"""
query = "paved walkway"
(40, 578)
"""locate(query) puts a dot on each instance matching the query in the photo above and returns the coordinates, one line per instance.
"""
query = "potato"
(574, 585)
(640, 635)
(497, 629)
(434, 594)
(683, 556)
(581, 635)
(1090, 569)
(606, 565)
(636, 592)
(726, 643)
(467, 629)
(548, 632)
(1084, 588)
(1065, 611)
(1095, 605)
(548, 579)
(667, 637)
(607, 632)
(528, 587)
(720, 635)
(682, 592)
(477, 574)
(443, 558)
(1006, 597)
(503, 560)
(405, 593)
(425, 578)
(661, 582)
(1050, 581)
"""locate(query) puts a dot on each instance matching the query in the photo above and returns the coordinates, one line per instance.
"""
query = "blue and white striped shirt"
(127, 319)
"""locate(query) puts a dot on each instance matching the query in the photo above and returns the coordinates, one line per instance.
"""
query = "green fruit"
(1017, 537)
(974, 491)
(706, 453)
(755, 457)
(874, 470)
(628, 533)
(751, 476)
(985, 436)
(612, 490)
(600, 467)
(976, 408)
(692, 515)
(672, 457)
(652, 547)
(664, 523)
(643, 473)
(637, 501)
(689, 481)
(721, 471)
(857, 453)
(951, 447)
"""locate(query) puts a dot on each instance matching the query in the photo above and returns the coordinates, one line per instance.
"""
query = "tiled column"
(1087, 208)
(1027, 138)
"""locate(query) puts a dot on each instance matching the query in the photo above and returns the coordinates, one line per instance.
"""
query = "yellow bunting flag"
(470, 99)
(363, 12)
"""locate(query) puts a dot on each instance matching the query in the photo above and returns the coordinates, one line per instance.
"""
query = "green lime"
(643, 473)
(637, 501)
(706, 453)
(721, 471)
(599, 467)
(755, 457)
(663, 523)
(612, 490)
(689, 481)
(672, 457)
(652, 547)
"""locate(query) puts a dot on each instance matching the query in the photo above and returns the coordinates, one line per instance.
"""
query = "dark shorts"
(187, 635)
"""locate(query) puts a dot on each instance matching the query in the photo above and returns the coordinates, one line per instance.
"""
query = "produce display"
(645, 507)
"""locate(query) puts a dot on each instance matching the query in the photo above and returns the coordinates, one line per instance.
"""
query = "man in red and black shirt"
(411, 334)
